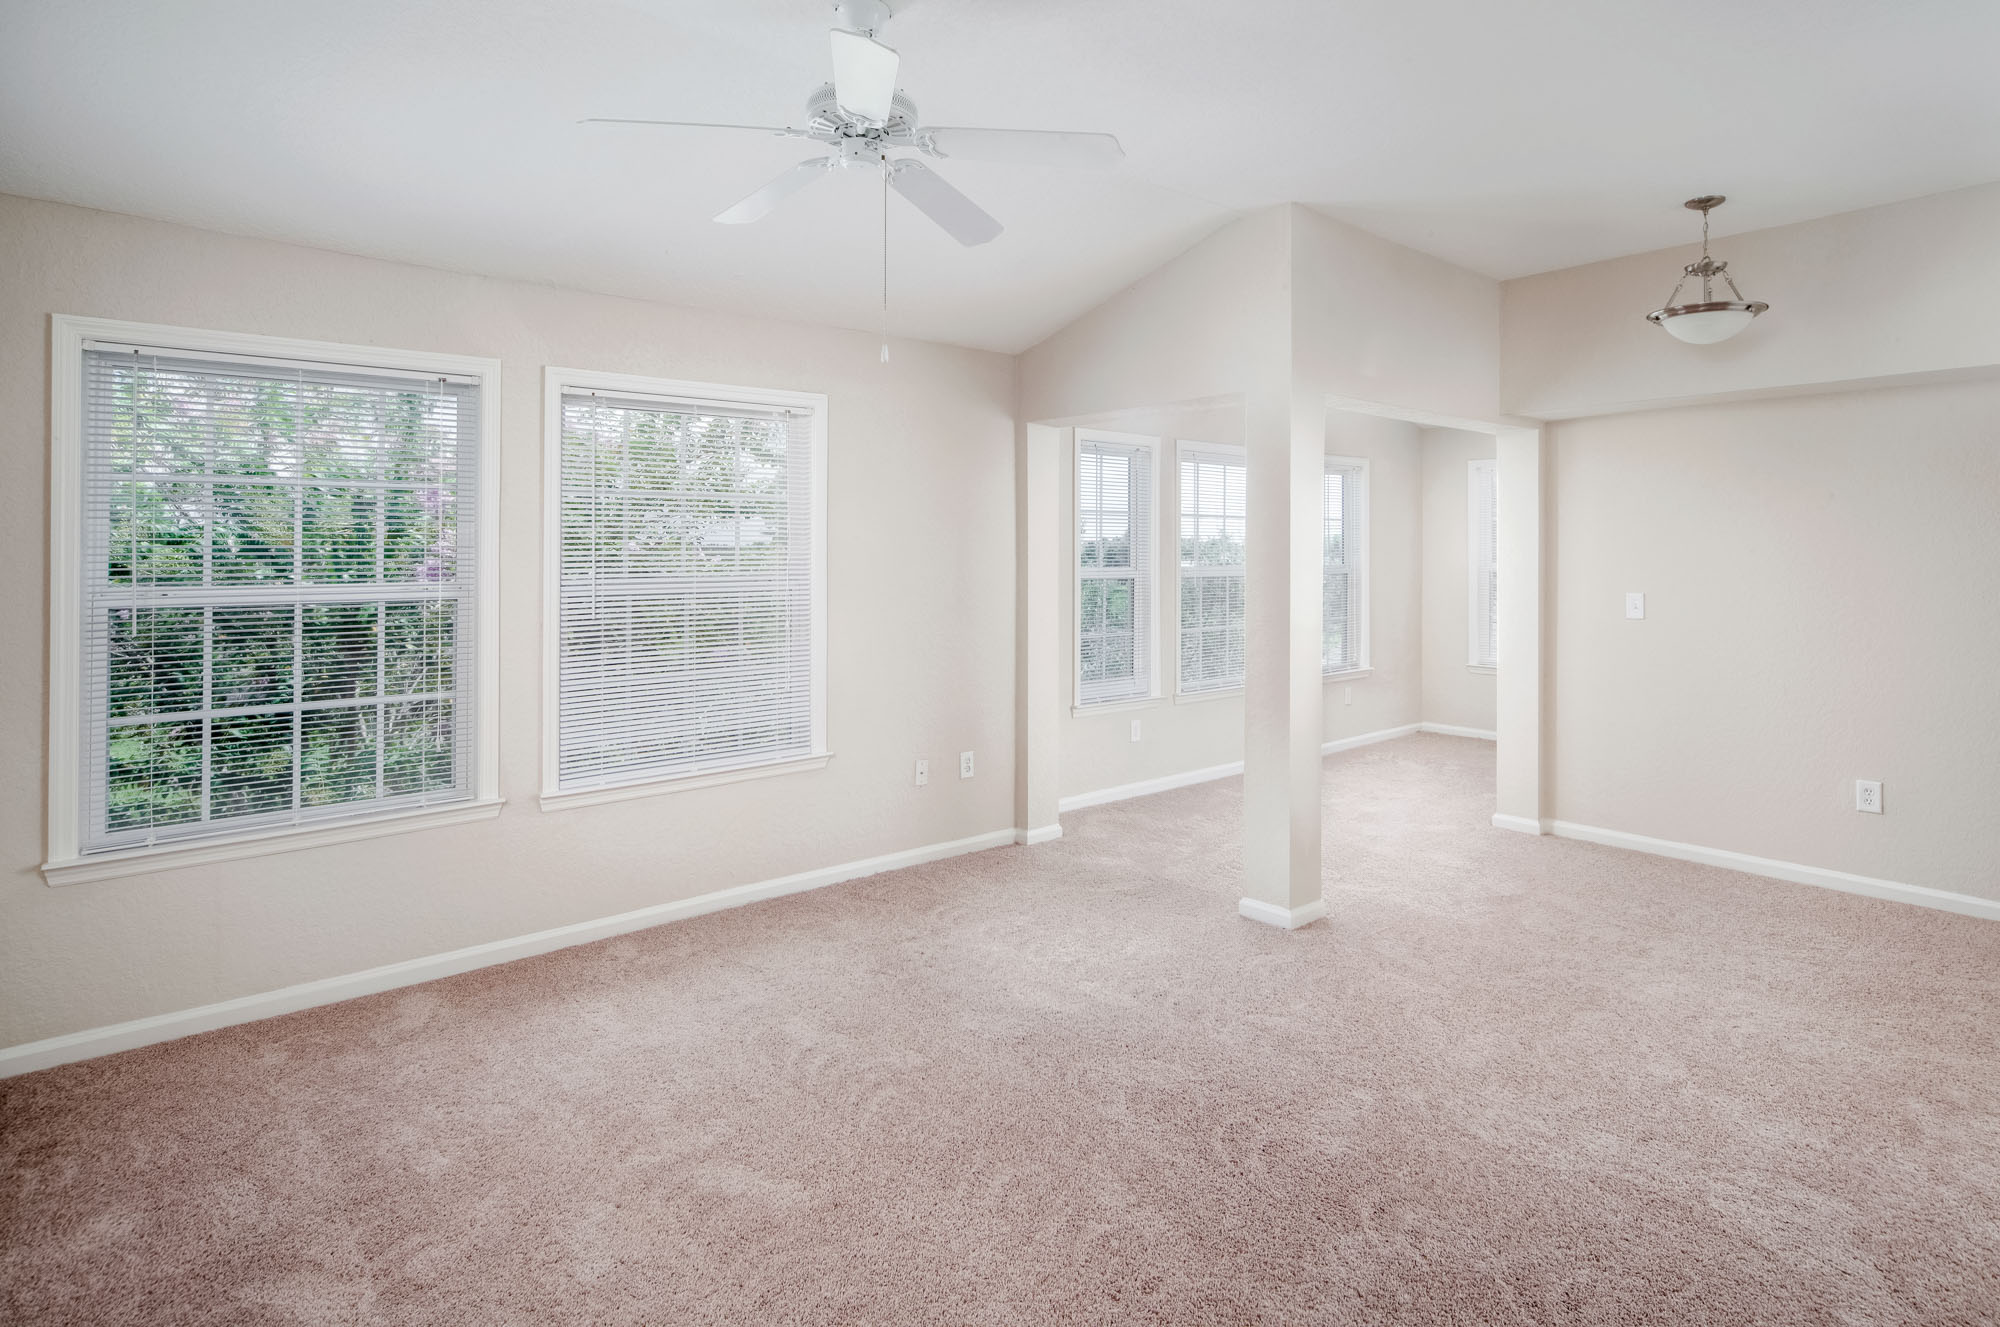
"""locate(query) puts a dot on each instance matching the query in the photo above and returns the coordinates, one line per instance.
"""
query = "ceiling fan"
(863, 118)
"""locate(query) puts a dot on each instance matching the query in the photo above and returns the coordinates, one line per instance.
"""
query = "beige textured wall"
(1202, 326)
(1905, 288)
(1454, 693)
(921, 563)
(1819, 576)
(1202, 732)
(1375, 321)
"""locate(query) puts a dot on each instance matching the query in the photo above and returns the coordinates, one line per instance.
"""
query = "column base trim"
(1290, 919)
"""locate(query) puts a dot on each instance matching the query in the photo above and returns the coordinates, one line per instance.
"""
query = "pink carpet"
(1512, 1080)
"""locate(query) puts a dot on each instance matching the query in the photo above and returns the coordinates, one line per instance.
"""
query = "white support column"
(1039, 664)
(1520, 484)
(1285, 435)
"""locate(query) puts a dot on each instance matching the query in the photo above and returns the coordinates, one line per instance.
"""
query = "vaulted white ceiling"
(1507, 137)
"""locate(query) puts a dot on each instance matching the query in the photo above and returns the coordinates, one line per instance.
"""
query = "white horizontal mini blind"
(278, 594)
(1482, 509)
(1114, 545)
(686, 574)
(1342, 493)
(1214, 522)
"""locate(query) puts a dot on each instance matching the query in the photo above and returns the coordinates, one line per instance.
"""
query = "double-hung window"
(1481, 543)
(1344, 566)
(1114, 556)
(270, 593)
(686, 585)
(1214, 492)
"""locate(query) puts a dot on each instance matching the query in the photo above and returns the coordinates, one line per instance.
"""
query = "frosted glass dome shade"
(1705, 324)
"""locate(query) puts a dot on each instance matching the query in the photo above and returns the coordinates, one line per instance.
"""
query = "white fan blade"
(1029, 147)
(758, 205)
(864, 75)
(961, 218)
(693, 124)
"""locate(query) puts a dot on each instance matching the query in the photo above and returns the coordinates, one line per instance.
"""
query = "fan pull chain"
(885, 259)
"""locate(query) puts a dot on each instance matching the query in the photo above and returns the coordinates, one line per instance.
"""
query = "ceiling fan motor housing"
(863, 16)
(824, 112)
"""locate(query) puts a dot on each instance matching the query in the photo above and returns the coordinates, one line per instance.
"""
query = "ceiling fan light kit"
(1707, 320)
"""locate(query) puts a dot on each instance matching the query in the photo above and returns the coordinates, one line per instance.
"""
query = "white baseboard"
(1453, 730)
(1291, 919)
(1030, 837)
(1521, 823)
(1367, 739)
(1168, 782)
(1147, 787)
(33, 1055)
(1942, 899)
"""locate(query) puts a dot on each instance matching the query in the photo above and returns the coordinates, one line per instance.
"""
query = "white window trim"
(1359, 569)
(68, 335)
(1213, 693)
(1183, 446)
(1472, 567)
(1114, 706)
(1078, 705)
(555, 382)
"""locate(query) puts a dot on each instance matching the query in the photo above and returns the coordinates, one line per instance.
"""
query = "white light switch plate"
(1635, 604)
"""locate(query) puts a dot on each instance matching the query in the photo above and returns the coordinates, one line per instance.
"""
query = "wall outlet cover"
(1635, 604)
(923, 772)
(965, 764)
(1868, 796)
(1135, 730)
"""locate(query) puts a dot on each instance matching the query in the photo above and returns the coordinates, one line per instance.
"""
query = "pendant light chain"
(1706, 293)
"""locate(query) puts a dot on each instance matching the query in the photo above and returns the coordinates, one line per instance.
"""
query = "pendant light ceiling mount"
(1708, 320)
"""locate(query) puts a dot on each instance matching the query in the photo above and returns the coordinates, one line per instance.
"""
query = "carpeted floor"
(1510, 1080)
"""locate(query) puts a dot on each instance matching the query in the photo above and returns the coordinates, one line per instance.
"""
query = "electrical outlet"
(965, 764)
(1635, 605)
(1868, 796)
(1347, 695)
(1135, 730)
(923, 772)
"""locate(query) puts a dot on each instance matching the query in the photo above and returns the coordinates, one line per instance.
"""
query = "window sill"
(1487, 669)
(1198, 697)
(1114, 706)
(1223, 693)
(625, 792)
(174, 856)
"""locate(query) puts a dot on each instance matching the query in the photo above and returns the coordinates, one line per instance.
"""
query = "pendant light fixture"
(1711, 319)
